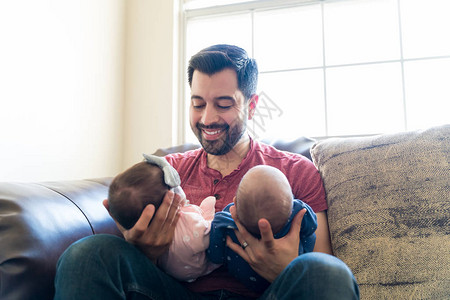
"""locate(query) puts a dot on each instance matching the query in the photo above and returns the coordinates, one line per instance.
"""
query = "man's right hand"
(155, 239)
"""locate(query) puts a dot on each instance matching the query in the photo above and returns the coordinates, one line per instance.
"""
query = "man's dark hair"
(219, 57)
(131, 191)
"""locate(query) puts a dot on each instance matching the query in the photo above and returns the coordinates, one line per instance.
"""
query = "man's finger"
(175, 221)
(266, 233)
(238, 249)
(163, 212)
(297, 224)
(174, 208)
(242, 234)
(145, 218)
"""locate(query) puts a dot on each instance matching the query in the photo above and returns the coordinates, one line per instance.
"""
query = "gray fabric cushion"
(389, 210)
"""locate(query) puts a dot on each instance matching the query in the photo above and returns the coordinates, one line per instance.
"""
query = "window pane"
(425, 28)
(231, 29)
(365, 99)
(291, 105)
(427, 93)
(361, 31)
(289, 38)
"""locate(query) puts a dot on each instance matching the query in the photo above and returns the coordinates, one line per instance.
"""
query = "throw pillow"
(389, 210)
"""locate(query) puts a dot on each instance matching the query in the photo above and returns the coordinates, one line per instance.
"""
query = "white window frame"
(251, 7)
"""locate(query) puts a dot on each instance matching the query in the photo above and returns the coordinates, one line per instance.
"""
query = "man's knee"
(320, 276)
(320, 264)
(317, 261)
(102, 244)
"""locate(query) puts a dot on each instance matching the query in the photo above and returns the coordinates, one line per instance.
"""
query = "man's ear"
(252, 102)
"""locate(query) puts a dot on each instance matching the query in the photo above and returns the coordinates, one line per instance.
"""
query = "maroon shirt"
(199, 181)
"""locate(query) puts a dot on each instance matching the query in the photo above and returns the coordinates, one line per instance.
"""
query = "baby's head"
(264, 192)
(131, 191)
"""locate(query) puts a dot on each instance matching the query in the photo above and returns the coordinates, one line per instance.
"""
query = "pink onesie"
(186, 259)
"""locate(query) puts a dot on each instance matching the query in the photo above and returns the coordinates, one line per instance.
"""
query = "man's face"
(218, 114)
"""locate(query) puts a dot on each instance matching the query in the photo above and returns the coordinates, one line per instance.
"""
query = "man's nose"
(209, 115)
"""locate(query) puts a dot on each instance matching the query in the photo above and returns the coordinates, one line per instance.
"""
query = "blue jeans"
(108, 267)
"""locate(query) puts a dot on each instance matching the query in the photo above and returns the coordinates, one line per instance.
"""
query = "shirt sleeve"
(307, 184)
(217, 241)
(222, 223)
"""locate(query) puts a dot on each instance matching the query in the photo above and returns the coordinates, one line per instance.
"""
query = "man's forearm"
(323, 242)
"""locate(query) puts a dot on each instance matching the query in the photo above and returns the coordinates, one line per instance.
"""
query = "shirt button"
(217, 196)
(216, 181)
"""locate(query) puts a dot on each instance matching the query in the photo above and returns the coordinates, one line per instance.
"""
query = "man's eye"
(224, 106)
(198, 106)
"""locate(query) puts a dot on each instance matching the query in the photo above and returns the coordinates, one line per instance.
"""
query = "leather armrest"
(38, 221)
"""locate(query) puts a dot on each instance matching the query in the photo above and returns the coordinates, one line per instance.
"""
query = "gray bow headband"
(171, 176)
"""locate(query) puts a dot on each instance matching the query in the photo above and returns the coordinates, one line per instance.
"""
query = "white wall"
(61, 89)
(151, 77)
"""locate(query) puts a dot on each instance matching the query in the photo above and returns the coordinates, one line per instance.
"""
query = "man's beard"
(224, 144)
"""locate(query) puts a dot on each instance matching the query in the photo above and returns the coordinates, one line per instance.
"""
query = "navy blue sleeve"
(308, 229)
(216, 251)
(309, 226)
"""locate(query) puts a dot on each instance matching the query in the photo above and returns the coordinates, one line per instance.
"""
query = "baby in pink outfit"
(146, 183)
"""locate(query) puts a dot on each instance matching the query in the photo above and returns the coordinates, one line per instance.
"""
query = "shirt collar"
(245, 161)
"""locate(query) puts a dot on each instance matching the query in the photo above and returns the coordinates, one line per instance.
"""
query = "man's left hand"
(267, 256)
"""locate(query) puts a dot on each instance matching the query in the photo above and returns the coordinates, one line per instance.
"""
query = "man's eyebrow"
(196, 97)
(216, 99)
(225, 98)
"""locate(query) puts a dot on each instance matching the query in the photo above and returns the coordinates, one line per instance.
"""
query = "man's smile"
(213, 131)
(212, 134)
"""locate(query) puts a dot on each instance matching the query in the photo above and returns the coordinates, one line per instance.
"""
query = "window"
(336, 68)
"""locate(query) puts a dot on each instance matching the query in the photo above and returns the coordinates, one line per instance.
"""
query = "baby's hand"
(208, 208)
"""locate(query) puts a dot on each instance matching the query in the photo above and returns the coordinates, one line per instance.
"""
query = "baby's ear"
(106, 204)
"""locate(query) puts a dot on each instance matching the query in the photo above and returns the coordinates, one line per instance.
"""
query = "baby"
(264, 192)
(146, 183)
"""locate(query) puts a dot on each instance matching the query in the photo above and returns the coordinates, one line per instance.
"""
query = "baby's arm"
(309, 222)
(308, 227)
(217, 239)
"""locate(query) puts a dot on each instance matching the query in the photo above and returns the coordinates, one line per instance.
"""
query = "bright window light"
(278, 47)
(297, 100)
(365, 99)
(233, 29)
(361, 31)
(427, 92)
(337, 68)
(425, 28)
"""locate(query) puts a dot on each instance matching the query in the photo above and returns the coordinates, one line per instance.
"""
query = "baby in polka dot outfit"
(146, 183)
(264, 192)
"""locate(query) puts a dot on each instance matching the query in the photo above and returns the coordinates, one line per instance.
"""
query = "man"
(223, 83)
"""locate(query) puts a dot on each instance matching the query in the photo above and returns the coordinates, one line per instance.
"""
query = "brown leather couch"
(38, 221)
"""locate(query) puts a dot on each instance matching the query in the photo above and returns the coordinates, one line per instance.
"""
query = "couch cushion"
(389, 208)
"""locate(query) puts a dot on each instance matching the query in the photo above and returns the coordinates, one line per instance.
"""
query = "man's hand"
(267, 256)
(155, 239)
